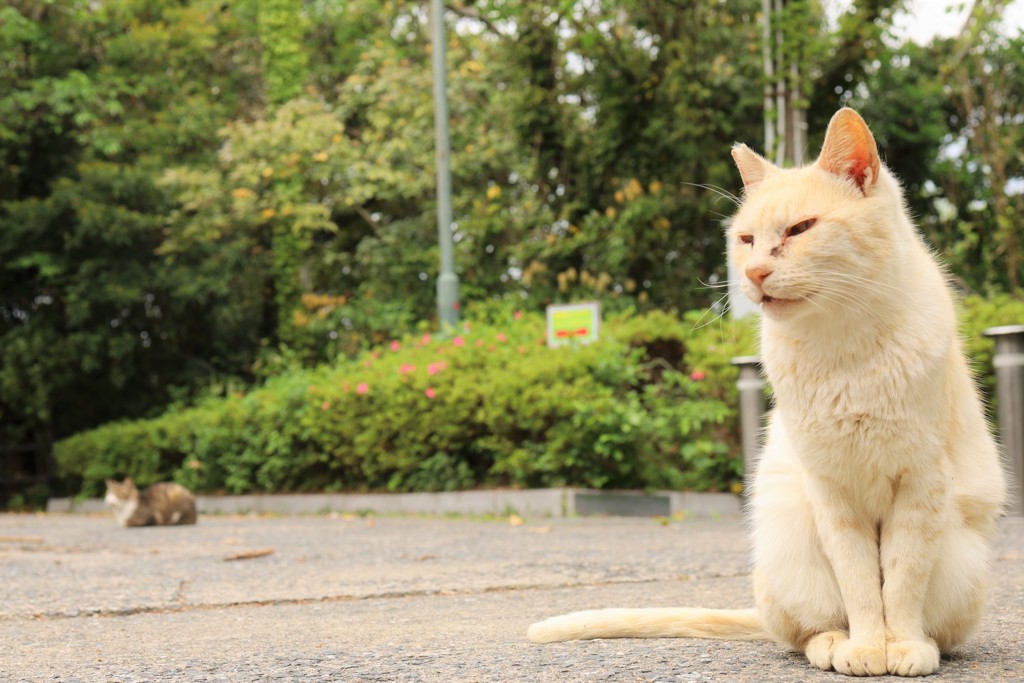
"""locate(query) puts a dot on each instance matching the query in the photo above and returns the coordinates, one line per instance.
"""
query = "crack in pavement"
(385, 595)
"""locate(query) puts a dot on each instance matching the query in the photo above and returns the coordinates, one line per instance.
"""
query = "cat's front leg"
(850, 542)
(909, 547)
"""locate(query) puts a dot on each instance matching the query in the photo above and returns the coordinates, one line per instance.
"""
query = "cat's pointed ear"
(752, 166)
(849, 150)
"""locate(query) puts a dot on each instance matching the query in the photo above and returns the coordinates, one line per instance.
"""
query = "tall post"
(781, 111)
(1009, 366)
(769, 79)
(751, 390)
(797, 116)
(447, 281)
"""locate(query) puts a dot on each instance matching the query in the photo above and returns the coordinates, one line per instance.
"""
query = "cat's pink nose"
(758, 274)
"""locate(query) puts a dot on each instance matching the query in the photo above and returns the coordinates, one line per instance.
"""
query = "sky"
(924, 19)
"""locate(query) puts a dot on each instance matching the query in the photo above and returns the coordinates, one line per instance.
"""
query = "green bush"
(649, 406)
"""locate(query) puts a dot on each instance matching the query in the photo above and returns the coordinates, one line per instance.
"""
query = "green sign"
(573, 323)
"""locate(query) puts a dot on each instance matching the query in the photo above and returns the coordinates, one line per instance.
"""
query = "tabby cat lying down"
(164, 503)
(879, 484)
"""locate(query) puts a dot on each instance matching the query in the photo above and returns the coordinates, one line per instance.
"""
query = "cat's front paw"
(821, 648)
(912, 657)
(854, 658)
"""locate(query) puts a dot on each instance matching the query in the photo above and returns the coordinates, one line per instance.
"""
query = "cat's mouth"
(775, 303)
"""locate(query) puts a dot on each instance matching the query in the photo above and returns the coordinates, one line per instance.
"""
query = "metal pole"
(447, 281)
(781, 111)
(751, 388)
(769, 78)
(1009, 366)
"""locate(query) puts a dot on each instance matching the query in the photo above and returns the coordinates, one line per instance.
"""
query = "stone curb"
(559, 502)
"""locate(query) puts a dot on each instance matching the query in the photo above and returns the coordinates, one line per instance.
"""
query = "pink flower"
(426, 339)
(326, 405)
(362, 388)
(697, 375)
(443, 365)
(479, 343)
(459, 341)
(502, 338)
(407, 368)
(433, 369)
(521, 349)
(395, 346)
(517, 315)
(430, 392)
(345, 386)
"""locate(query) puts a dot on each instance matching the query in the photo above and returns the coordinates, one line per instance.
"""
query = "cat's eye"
(801, 227)
(747, 239)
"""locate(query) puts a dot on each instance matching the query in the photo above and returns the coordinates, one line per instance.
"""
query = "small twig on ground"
(21, 539)
(252, 554)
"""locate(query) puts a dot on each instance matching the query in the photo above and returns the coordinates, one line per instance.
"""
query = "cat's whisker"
(816, 304)
(826, 289)
(721, 318)
(842, 277)
(846, 301)
(714, 285)
(722, 193)
(839, 282)
(849, 300)
(698, 326)
(826, 286)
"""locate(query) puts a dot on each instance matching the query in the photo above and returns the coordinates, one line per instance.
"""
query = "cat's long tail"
(668, 622)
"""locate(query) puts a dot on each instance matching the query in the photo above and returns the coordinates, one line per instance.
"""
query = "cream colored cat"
(879, 484)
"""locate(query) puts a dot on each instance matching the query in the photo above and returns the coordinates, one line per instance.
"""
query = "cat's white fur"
(879, 484)
(123, 509)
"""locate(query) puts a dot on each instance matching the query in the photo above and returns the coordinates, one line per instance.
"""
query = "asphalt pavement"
(353, 598)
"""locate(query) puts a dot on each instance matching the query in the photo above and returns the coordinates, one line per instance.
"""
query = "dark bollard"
(1008, 362)
(751, 388)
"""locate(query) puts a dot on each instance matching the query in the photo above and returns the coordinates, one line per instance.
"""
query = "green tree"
(617, 111)
(987, 70)
(98, 100)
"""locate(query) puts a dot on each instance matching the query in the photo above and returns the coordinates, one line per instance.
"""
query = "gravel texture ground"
(343, 598)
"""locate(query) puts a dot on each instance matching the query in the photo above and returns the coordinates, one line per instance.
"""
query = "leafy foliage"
(491, 406)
